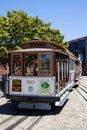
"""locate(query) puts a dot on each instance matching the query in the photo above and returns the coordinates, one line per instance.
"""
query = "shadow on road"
(57, 109)
(8, 108)
(12, 109)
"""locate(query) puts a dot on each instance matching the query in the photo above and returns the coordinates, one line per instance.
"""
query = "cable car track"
(83, 87)
(82, 90)
(20, 115)
(34, 116)
(16, 123)
(81, 95)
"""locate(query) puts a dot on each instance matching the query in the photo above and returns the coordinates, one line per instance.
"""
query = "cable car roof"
(45, 46)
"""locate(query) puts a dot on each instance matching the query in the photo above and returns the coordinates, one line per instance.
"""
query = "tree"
(18, 27)
(3, 55)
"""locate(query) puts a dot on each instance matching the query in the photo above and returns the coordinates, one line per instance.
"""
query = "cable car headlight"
(30, 88)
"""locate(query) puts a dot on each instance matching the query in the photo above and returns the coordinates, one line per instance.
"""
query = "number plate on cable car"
(16, 85)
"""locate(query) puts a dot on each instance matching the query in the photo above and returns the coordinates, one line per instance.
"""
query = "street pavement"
(72, 116)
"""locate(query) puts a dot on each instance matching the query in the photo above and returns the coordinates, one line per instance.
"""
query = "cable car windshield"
(32, 64)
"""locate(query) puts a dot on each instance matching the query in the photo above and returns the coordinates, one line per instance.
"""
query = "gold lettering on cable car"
(30, 81)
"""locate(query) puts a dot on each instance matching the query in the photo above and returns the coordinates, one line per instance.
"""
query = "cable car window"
(45, 64)
(16, 64)
(65, 70)
(31, 64)
(61, 71)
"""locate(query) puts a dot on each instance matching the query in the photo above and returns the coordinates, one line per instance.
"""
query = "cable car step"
(63, 98)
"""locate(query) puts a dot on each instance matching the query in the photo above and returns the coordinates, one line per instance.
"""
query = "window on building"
(82, 50)
(74, 48)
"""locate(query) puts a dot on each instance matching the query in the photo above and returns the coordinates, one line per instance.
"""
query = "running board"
(41, 106)
(63, 98)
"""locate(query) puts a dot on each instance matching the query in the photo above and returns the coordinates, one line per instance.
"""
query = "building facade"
(79, 48)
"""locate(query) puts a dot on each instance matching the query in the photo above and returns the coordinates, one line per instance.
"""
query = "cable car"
(41, 75)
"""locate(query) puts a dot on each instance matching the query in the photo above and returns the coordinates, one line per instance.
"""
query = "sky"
(69, 16)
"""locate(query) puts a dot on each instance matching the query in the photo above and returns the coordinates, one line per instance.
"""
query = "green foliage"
(3, 55)
(17, 48)
(18, 27)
